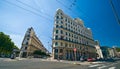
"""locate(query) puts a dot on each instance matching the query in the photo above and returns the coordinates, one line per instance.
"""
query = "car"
(12, 56)
(91, 59)
(81, 59)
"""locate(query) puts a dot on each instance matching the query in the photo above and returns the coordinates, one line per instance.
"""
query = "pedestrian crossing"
(101, 66)
(112, 67)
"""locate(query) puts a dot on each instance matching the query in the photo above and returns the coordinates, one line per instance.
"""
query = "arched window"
(56, 43)
(56, 37)
(56, 31)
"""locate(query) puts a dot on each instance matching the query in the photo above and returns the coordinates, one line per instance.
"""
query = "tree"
(118, 49)
(39, 52)
(6, 44)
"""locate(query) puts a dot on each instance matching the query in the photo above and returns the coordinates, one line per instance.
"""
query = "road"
(39, 64)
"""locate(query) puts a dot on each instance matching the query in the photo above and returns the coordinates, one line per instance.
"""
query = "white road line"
(102, 67)
(94, 65)
(108, 66)
(112, 67)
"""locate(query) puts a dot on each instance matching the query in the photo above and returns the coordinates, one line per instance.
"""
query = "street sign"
(74, 49)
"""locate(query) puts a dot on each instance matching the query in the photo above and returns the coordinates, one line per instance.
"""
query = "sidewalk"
(52, 60)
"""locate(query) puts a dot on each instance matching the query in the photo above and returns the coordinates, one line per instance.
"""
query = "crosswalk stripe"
(102, 67)
(94, 65)
(112, 67)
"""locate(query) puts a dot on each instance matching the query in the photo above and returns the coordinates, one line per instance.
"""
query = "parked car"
(82, 59)
(91, 59)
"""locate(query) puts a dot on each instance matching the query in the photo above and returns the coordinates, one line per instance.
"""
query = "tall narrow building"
(31, 43)
(71, 39)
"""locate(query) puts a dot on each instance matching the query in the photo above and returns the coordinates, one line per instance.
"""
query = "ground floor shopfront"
(70, 54)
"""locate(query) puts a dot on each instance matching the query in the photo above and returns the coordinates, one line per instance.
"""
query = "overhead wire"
(118, 3)
(114, 11)
(68, 8)
(32, 7)
(73, 4)
(27, 10)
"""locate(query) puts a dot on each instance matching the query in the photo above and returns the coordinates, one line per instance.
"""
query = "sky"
(16, 16)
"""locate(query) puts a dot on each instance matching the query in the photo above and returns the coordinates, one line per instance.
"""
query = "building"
(71, 39)
(111, 52)
(114, 52)
(31, 43)
(105, 51)
(98, 50)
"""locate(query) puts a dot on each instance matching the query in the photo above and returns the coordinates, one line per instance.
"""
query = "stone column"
(58, 53)
(64, 54)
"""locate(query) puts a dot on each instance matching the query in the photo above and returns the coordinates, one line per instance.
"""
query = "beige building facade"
(70, 34)
(98, 50)
(31, 43)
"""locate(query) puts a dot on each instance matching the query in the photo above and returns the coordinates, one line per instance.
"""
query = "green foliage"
(6, 45)
(118, 49)
(39, 52)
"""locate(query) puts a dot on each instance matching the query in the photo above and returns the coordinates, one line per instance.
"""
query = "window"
(27, 38)
(28, 35)
(66, 33)
(66, 19)
(66, 38)
(61, 32)
(56, 37)
(25, 48)
(57, 17)
(56, 31)
(69, 34)
(56, 21)
(62, 37)
(61, 26)
(69, 39)
(57, 26)
(56, 43)
(56, 51)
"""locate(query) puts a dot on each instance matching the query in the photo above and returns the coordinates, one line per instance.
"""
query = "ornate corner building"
(31, 43)
(70, 34)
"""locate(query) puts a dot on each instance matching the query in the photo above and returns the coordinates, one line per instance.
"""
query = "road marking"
(94, 65)
(102, 67)
(112, 67)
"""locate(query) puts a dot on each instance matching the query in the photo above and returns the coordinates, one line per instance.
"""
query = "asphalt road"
(38, 64)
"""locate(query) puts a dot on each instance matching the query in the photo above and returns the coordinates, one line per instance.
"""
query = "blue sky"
(16, 17)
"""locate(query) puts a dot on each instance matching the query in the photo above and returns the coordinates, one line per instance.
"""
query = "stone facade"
(31, 43)
(70, 34)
